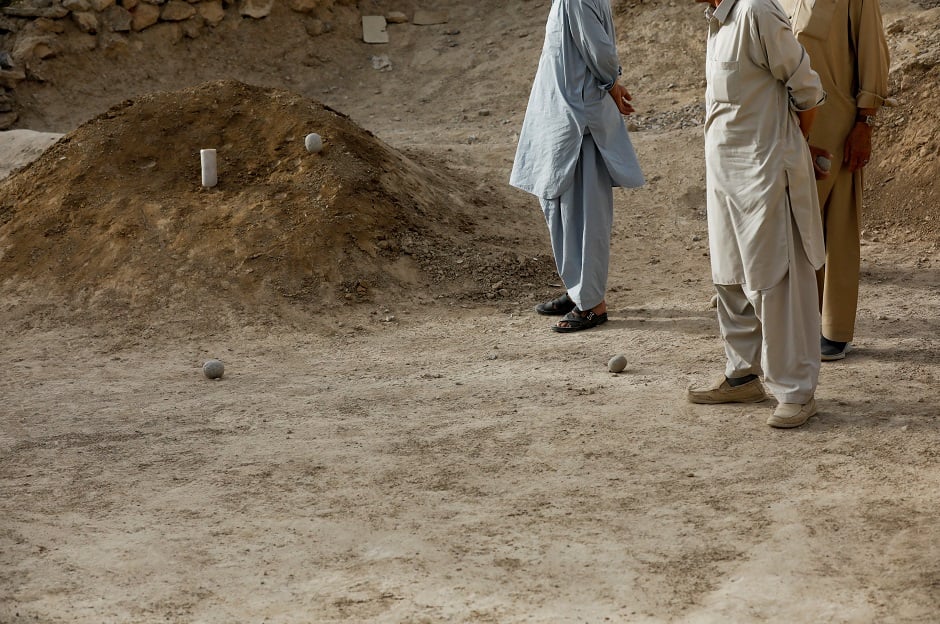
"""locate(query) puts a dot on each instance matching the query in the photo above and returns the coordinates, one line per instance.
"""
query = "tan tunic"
(846, 45)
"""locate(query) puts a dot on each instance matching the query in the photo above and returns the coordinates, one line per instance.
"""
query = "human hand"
(622, 98)
(858, 147)
(821, 169)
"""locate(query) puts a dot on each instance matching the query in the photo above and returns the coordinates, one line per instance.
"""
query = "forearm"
(807, 117)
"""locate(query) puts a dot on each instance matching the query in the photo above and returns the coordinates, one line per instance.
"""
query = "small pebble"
(617, 363)
(213, 369)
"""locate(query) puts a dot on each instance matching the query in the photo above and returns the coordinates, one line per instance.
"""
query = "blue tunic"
(569, 99)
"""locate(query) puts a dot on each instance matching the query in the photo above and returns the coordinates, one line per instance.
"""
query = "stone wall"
(34, 30)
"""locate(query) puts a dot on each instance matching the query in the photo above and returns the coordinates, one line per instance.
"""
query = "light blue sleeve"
(593, 41)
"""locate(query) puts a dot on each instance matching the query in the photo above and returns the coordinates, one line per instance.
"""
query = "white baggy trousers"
(580, 223)
(775, 331)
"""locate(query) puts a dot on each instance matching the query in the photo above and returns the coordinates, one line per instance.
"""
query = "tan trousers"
(840, 198)
(775, 331)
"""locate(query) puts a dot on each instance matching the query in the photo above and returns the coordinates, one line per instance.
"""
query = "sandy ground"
(421, 459)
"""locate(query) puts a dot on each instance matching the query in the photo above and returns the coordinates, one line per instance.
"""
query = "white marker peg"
(210, 173)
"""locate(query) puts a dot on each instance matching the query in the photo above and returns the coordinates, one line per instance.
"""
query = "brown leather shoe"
(723, 392)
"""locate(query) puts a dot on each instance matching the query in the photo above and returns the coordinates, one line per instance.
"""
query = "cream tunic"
(758, 165)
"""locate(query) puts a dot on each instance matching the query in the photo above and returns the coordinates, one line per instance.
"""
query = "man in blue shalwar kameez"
(573, 149)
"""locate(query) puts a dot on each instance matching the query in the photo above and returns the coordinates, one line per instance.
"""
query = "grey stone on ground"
(617, 363)
(374, 29)
(255, 8)
(213, 369)
(382, 63)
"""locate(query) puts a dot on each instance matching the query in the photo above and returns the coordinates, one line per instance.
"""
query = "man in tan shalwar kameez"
(846, 45)
(764, 224)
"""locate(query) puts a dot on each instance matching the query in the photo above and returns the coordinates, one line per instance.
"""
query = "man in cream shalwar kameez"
(765, 231)
(573, 148)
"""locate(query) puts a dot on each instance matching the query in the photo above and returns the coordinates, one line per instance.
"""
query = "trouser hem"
(837, 335)
(792, 397)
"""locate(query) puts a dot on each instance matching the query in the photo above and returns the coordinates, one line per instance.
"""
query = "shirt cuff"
(796, 107)
(867, 99)
(610, 85)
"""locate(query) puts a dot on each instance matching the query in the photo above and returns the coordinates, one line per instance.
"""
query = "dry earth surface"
(398, 437)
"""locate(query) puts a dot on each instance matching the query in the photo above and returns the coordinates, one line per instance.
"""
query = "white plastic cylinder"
(210, 172)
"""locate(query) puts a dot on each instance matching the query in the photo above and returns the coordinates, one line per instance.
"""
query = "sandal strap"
(574, 316)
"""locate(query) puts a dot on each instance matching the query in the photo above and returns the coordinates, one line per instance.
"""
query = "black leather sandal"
(577, 320)
(556, 307)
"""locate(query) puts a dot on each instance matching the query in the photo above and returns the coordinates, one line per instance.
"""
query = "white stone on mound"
(313, 142)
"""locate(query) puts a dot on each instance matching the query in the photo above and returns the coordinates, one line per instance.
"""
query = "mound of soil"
(903, 194)
(114, 217)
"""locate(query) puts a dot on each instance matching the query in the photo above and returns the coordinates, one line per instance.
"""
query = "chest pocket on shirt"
(724, 81)
(814, 18)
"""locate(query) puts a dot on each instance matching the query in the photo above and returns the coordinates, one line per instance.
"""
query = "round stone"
(617, 363)
(313, 142)
(213, 369)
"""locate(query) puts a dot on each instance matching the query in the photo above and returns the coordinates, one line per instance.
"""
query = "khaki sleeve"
(779, 51)
(872, 59)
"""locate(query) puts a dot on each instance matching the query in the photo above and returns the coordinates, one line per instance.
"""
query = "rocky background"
(35, 30)
(63, 61)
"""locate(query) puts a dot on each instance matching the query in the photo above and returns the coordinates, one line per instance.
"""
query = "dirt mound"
(114, 218)
(903, 190)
